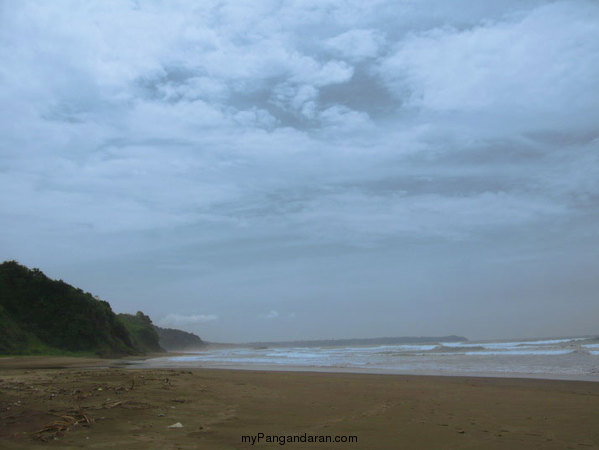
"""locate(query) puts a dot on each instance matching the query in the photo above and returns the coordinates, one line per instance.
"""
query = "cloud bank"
(243, 132)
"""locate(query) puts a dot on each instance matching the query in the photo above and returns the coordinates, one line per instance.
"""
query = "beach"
(89, 403)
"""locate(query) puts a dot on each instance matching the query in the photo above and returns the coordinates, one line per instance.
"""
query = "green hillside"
(13, 339)
(142, 331)
(43, 316)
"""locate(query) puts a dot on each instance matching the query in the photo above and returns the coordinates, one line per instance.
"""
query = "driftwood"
(114, 404)
(59, 427)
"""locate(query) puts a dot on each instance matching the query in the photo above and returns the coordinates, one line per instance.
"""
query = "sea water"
(567, 358)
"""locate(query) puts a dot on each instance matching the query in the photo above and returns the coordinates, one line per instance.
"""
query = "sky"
(280, 170)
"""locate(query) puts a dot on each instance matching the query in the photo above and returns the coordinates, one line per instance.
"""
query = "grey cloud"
(272, 314)
(357, 45)
(540, 63)
(363, 92)
(255, 154)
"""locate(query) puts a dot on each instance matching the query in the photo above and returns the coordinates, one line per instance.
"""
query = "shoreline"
(154, 361)
(157, 363)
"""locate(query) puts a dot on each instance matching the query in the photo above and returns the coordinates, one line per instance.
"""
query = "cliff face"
(39, 316)
(173, 340)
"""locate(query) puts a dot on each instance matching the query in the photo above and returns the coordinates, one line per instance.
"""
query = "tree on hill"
(40, 315)
(142, 331)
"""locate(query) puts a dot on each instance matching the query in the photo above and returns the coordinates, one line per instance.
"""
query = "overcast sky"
(260, 170)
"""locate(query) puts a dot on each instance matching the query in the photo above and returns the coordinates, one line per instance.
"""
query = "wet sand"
(114, 406)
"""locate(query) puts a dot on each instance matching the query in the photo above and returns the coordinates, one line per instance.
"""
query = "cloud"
(357, 45)
(342, 119)
(365, 219)
(180, 320)
(272, 314)
(541, 63)
(153, 134)
(179, 126)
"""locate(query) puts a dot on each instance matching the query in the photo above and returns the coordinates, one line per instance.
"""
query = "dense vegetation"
(143, 334)
(43, 316)
(172, 340)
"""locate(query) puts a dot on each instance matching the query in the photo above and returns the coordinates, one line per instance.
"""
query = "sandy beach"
(88, 403)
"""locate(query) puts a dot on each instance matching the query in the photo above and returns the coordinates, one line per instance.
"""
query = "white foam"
(520, 352)
(552, 357)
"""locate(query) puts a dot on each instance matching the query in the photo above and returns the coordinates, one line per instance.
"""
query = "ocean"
(561, 358)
